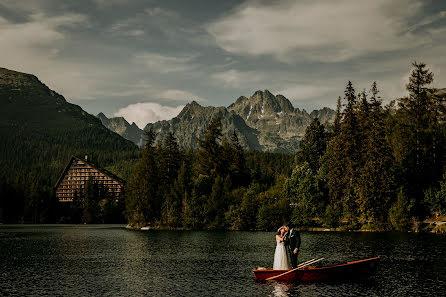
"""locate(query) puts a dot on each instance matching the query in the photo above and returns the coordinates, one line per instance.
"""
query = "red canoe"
(350, 270)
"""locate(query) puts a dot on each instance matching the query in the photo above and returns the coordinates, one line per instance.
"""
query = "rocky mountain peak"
(11, 77)
(122, 127)
(190, 109)
(262, 104)
(194, 110)
(24, 82)
(102, 116)
(239, 100)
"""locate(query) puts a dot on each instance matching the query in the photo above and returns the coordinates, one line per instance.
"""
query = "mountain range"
(263, 122)
(119, 125)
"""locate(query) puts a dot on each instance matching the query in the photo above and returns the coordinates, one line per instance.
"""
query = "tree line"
(374, 167)
(213, 187)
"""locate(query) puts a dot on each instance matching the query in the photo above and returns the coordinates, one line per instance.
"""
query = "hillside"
(40, 130)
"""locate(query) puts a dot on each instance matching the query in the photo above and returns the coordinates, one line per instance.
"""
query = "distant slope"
(263, 122)
(122, 127)
(40, 130)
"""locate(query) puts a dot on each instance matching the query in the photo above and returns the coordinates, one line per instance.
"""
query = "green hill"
(40, 130)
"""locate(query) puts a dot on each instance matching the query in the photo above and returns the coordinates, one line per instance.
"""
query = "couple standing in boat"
(288, 243)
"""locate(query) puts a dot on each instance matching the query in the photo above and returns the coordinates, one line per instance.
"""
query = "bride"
(280, 256)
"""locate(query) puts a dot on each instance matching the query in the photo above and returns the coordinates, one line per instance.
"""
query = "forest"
(374, 168)
(32, 161)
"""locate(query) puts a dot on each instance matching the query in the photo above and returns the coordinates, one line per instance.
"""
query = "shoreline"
(435, 227)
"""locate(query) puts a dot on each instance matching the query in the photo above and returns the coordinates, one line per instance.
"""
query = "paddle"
(298, 267)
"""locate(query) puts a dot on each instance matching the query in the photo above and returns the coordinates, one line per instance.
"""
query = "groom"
(292, 241)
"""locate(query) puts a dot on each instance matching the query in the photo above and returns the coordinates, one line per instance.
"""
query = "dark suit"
(292, 241)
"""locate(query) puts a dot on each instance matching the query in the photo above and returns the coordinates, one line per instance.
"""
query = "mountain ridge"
(263, 122)
(120, 125)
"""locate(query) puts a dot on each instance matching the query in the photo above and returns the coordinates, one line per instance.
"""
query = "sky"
(145, 60)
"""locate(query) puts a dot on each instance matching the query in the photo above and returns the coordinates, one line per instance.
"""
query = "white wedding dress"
(280, 257)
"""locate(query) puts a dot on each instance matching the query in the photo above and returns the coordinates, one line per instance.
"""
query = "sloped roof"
(102, 170)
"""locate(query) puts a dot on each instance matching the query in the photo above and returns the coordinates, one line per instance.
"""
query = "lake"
(108, 260)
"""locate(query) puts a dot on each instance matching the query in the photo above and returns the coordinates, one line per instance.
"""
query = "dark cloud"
(106, 55)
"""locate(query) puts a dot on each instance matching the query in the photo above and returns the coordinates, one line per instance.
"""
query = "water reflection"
(280, 290)
(109, 260)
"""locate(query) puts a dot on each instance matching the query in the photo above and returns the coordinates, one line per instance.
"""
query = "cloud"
(163, 63)
(179, 95)
(328, 31)
(148, 112)
(161, 12)
(40, 32)
(136, 32)
(35, 46)
(305, 92)
(125, 29)
(236, 78)
(108, 3)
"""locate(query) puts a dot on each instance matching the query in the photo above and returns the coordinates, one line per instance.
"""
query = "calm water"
(107, 260)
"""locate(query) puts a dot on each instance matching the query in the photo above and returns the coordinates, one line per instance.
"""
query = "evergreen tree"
(195, 214)
(350, 153)
(238, 169)
(337, 120)
(143, 204)
(170, 158)
(215, 207)
(182, 189)
(364, 124)
(343, 159)
(416, 136)
(312, 146)
(376, 182)
(209, 153)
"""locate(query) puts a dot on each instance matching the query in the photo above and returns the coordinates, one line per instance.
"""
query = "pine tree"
(209, 153)
(364, 123)
(343, 158)
(312, 146)
(179, 195)
(238, 169)
(415, 136)
(215, 207)
(337, 120)
(376, 182)
(170, 157)
(143, 204)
